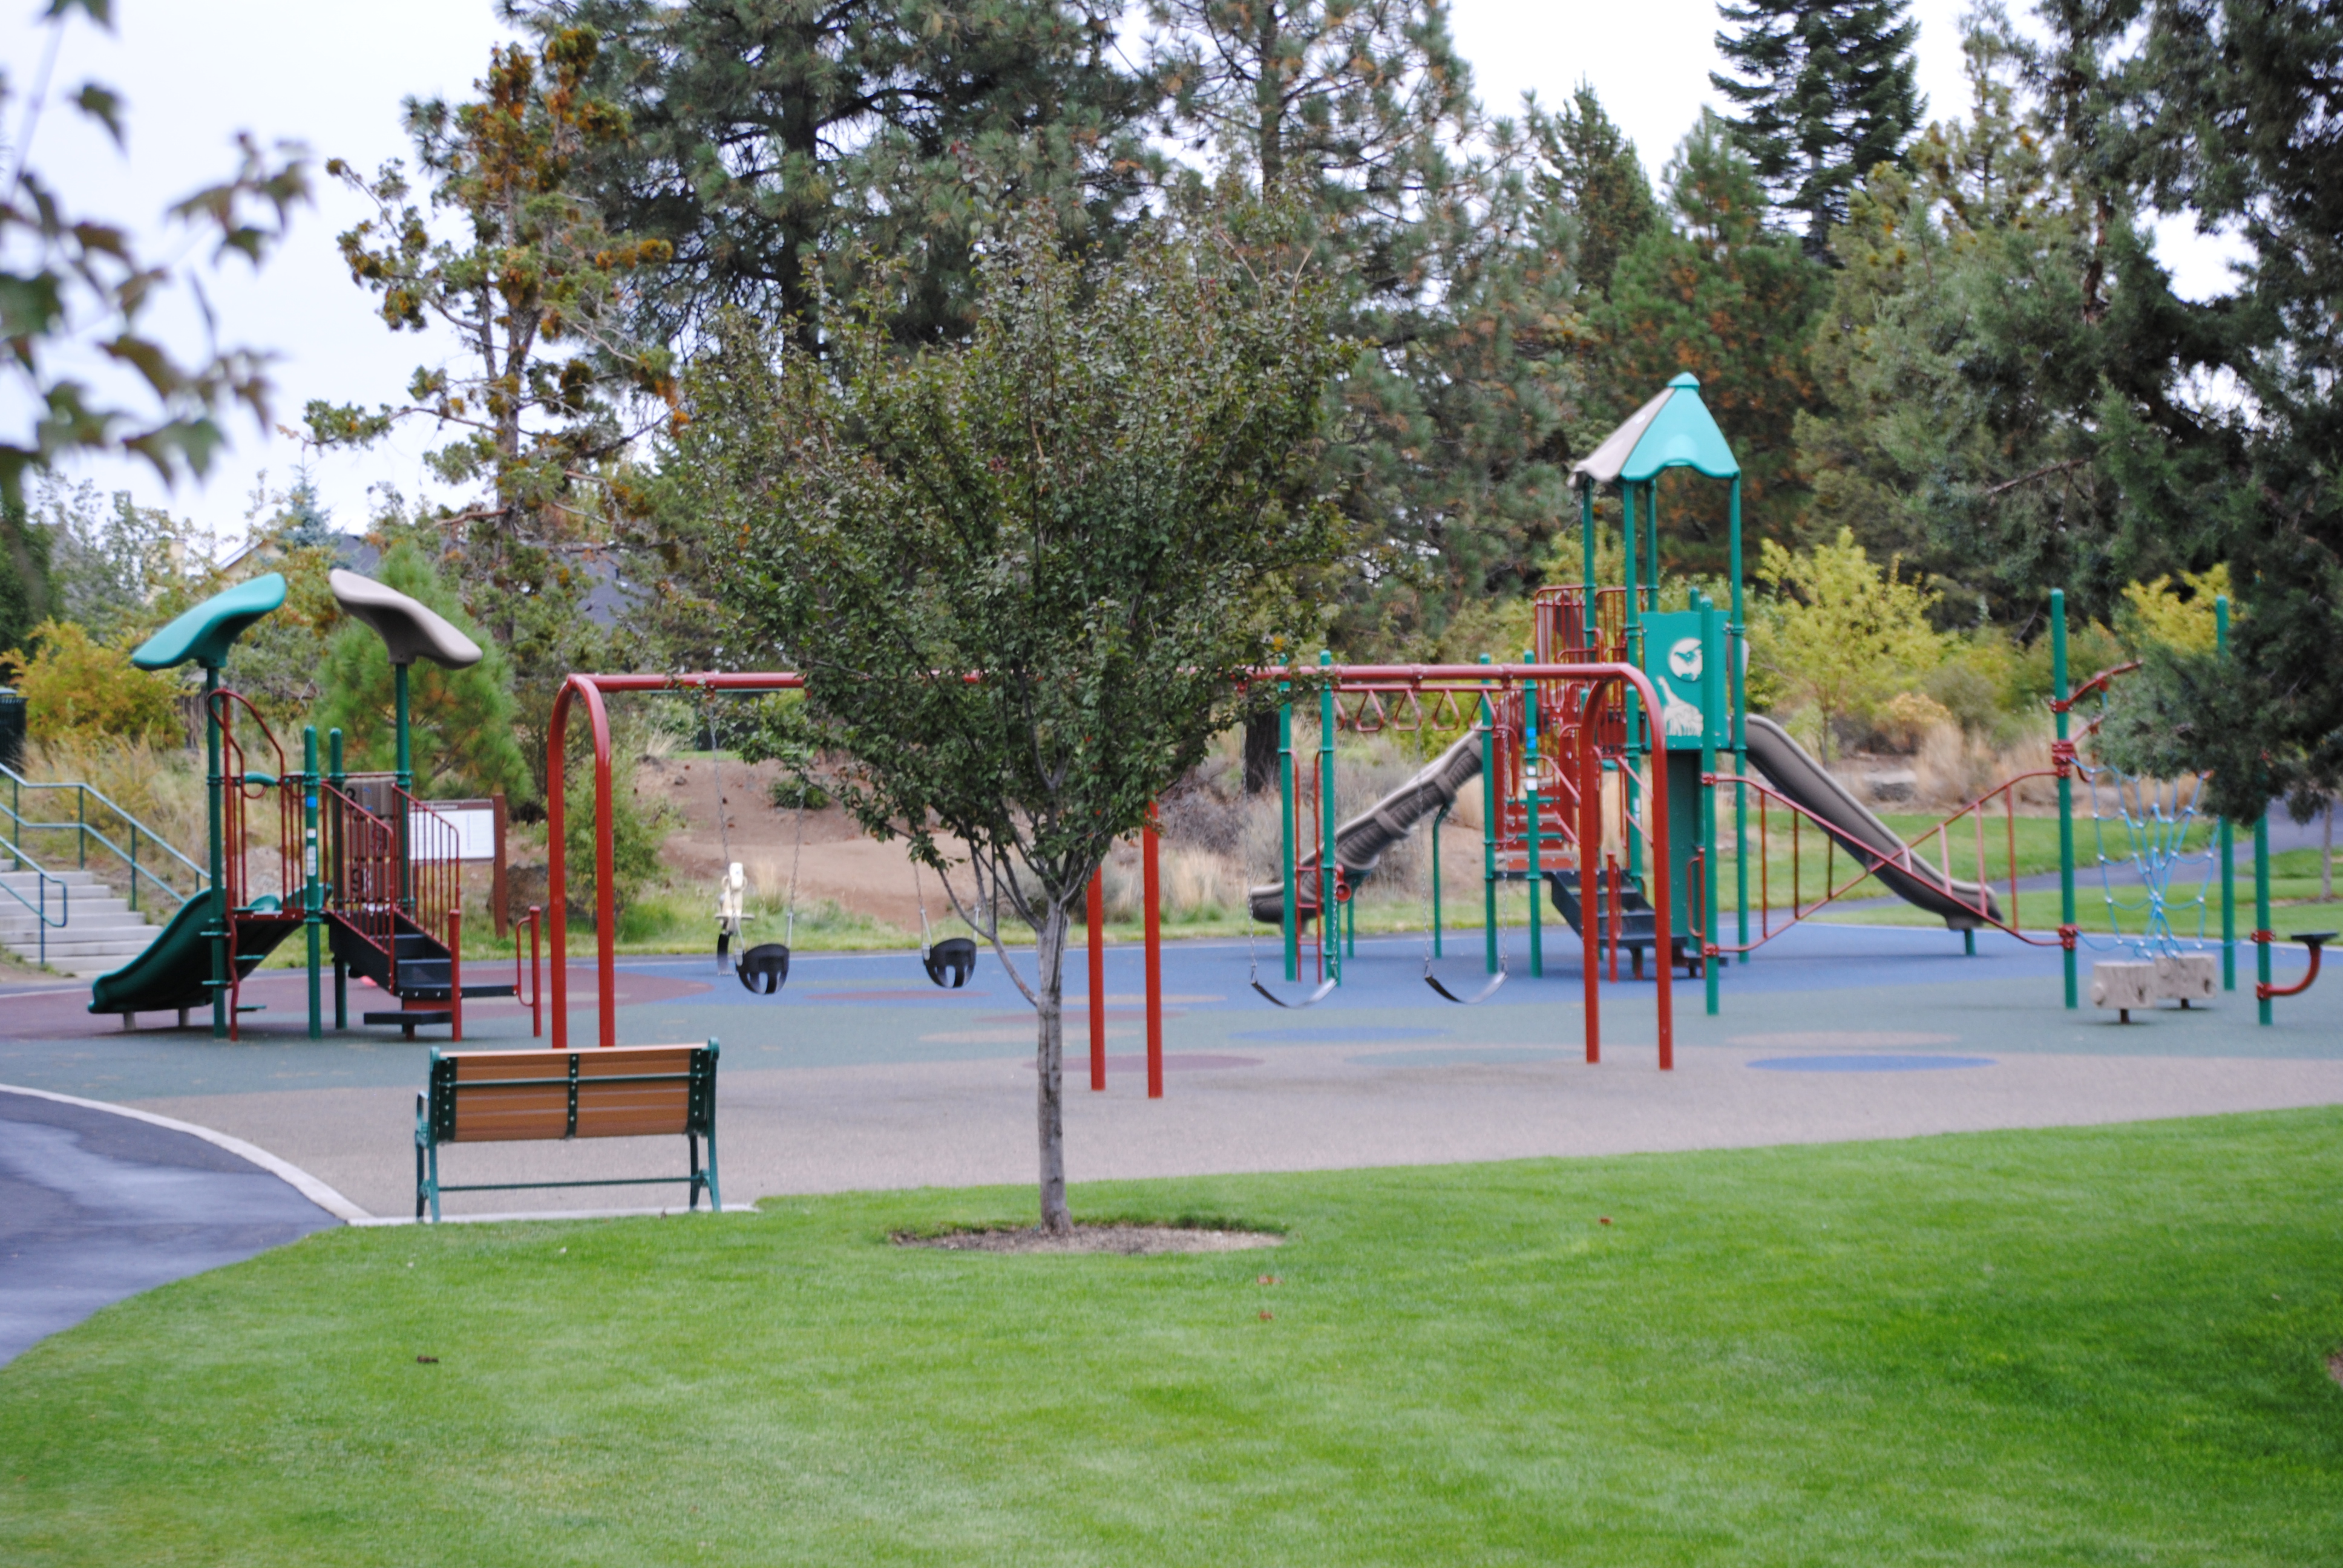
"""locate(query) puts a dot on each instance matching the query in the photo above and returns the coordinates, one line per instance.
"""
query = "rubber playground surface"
(861, 1075)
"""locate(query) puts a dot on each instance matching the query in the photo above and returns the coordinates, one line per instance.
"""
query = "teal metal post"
(337, 778)
(1330, 927)
(1587, 549)
(1713, 725)
(1535, 822)
(1488, 830)
(217, 805)
(2066, 794)
(313, 903)
(1652, 545)
(1285, 835)
(1630, 793)
(406, 765)
(1735, 657)
(1439, 821)
(2228, 848)
(2262, 937)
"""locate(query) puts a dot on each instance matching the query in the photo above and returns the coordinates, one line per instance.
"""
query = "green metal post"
(217, 805)
(1330, 930)
(1630, 791)
(406, 765)
(2262, 938)
(1286, 868)
(1736, 634)
(337, 778)
(1439, 821)
(2066, 795)
(1587, 549)
(1652, 545)
(1712, 706)
(1488, 831)
(313, 903)
(2228, 848)
(1530, 793)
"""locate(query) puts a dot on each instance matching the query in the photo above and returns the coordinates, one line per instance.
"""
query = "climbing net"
(2158, 860)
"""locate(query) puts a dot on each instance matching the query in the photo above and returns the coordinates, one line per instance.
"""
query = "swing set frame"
(1593, 692)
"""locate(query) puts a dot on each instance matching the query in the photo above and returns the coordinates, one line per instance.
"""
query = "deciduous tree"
(1025, 576)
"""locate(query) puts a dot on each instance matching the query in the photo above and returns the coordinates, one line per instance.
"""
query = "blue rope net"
(2158, 862)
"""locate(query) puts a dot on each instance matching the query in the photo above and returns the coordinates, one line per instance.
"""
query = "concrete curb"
(293, 1176)
(382, 1220)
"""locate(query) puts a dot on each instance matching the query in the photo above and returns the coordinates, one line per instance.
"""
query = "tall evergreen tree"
(1719, 294)
(1586, 167)
(2229, 110)
(1458, 284)
(1825, 90)
(768, 137)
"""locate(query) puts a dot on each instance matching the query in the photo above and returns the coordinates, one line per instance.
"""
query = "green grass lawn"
(2071, 1347)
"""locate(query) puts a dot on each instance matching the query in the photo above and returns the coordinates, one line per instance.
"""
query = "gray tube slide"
(1359, 844)
(1803, 781)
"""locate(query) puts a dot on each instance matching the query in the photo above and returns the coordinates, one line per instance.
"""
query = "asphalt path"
(94, 1207)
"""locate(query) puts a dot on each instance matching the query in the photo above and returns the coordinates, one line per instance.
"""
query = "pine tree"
(1587, 167)
(773, 140)
(1826, 93)
(1719, 294)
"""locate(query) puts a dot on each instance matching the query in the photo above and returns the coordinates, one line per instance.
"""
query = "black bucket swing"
(1252, 977)
(764, 968)
(1432, 980)
(949, 962)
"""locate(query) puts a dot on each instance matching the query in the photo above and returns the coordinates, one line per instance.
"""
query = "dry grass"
(162, 786)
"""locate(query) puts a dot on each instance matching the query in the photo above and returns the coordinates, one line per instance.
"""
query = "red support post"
(1150, 890)
(536, 977)
(1094, 915)
(1590, 843)
(456, 974)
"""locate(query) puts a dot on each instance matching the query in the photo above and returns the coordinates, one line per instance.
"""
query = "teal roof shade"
(206, 633)
(1674, 430)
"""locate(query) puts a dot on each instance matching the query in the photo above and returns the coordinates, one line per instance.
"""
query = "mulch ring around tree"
(1129, 1240)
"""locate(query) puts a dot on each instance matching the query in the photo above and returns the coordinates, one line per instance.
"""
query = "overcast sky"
(331, 74)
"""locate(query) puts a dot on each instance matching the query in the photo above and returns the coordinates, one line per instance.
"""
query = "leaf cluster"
(1026, 578)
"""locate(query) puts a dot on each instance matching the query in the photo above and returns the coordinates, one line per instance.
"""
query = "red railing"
(359, 856)
(1863, 860)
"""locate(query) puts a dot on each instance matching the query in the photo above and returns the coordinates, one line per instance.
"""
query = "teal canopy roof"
(206, 633)
(1674, 430)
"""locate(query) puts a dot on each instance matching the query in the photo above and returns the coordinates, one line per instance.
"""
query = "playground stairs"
(101, 932)
(416, 971)
(1638, 923)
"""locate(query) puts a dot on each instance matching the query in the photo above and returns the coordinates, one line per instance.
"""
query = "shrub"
(79, 691)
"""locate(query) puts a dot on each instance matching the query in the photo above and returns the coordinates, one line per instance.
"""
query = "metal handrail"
(41, 887)
(81, 827)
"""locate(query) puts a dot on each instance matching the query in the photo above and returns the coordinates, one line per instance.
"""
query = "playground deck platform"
(861, 1075)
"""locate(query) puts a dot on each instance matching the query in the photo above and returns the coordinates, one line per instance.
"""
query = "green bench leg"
(704, 1175)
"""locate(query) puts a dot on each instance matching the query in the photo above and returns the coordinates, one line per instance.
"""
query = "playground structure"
(360, 864)
(1621, 720)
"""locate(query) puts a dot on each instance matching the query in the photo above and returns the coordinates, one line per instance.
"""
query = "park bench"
(612, 1091)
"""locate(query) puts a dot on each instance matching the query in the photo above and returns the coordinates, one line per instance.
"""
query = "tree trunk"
(1050, 1061)
(1260, 753)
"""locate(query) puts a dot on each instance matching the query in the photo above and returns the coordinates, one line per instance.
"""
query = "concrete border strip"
(292, 1175)
(373, 1220)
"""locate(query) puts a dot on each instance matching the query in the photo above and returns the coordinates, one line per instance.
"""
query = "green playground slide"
(173, 971)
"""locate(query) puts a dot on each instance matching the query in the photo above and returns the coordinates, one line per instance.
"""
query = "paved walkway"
(861, 1075)
(95, 1206)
